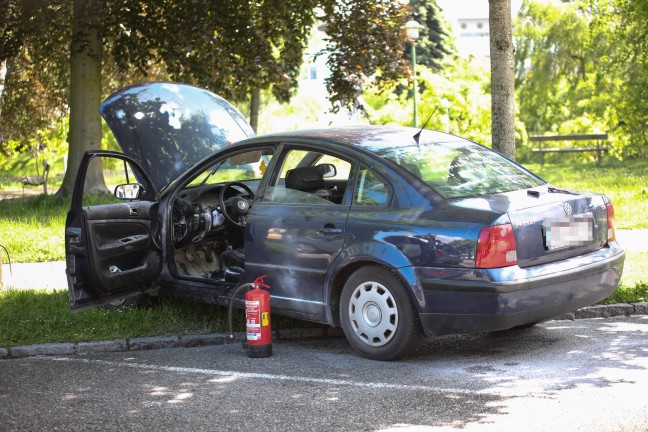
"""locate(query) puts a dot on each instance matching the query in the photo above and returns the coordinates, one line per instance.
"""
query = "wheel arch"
(336, 280)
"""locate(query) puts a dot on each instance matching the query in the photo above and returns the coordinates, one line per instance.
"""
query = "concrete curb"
(190, 341)
(157, 342)
(606, 311)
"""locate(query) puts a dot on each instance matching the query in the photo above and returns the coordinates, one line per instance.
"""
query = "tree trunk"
(85, 97)
(255, 102)
(502, 77)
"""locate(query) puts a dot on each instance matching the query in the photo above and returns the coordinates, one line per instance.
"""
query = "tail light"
(611, 233)
(496, 247)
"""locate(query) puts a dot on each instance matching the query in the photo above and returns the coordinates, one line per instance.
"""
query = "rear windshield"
(461, 168)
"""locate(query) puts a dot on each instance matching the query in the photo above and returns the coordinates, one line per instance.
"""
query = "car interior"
(209, 213)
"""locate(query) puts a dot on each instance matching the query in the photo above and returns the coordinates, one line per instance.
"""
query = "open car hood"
(169, 127)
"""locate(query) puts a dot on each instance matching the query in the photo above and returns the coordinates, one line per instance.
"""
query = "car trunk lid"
(556, 224)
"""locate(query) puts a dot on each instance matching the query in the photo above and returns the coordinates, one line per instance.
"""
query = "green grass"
(30, 317)
(635, 293)
(634, 282)
(624, 182)
(32, 228)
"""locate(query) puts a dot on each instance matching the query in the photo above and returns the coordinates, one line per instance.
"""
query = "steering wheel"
(235, 208)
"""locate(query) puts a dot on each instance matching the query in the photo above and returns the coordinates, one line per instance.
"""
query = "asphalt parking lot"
(588, 375)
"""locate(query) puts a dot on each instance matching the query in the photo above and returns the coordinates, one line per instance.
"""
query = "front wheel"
(128, 302)
(377, 314)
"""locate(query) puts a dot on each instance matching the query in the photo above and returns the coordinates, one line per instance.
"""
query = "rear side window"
(370, 189)
(461, 169)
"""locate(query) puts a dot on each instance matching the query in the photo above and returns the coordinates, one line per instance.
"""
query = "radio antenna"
(418, 134)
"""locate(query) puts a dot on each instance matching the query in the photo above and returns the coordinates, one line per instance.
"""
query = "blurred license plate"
(568, 233)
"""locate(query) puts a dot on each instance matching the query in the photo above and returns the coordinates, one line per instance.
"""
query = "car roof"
(371, 137)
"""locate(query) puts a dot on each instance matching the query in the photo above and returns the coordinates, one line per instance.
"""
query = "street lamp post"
(412, 29)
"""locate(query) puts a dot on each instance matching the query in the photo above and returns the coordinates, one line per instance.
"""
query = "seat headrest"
(304, 179)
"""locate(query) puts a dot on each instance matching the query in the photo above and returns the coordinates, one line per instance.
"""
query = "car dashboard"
(200, 232)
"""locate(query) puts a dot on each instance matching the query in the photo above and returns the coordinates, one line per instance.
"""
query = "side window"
(310, 177)
(114, 172)
(343, 168)
(370, 189)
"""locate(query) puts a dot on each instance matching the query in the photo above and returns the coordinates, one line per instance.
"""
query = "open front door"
(112, 251)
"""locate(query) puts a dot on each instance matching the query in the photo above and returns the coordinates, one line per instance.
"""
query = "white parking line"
(328, 381)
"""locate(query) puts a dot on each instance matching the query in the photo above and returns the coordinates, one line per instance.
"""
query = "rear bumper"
(468, 301)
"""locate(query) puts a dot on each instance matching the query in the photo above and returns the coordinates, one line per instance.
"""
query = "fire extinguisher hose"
(231, 307)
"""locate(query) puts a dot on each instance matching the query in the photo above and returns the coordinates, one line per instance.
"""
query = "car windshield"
(461, 168)
(245, 166)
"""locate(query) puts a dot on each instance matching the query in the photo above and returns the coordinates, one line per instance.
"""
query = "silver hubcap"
(373, 313)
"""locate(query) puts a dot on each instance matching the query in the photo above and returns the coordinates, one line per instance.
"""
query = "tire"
(378, 315)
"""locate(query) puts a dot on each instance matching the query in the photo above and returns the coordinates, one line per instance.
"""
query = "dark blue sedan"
(388, 232)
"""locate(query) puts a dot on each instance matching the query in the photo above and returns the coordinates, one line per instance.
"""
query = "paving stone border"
(606, 311)
(190, 341)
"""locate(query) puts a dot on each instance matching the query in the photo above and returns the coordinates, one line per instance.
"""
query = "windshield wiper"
(564, 191)
(212, 172)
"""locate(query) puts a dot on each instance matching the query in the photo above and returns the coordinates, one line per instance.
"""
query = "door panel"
(111, 248)
(120, 245)
(296, 231)
(294, 245)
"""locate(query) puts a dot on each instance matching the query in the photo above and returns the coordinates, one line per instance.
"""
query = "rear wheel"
(377, 314)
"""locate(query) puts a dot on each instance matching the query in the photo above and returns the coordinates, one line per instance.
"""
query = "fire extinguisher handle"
(258, 282)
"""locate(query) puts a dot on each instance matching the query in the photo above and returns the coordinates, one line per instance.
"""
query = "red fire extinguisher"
(257, 320)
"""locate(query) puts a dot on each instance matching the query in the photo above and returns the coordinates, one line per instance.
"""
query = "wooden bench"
(578, 137)
(37, 180)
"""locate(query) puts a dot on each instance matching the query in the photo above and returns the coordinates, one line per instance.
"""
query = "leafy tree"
(554, 59)
(364, 47)
(435, 41)
(460, 93)
(580, 69)
(623, 23)
(234, 48)
(35, 93)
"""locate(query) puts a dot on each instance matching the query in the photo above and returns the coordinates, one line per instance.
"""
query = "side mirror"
(131, 191)
(328, 170)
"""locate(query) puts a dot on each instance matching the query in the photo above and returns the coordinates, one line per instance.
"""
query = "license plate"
(567, 233)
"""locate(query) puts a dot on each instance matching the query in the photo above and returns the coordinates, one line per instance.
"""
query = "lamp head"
(412, 29)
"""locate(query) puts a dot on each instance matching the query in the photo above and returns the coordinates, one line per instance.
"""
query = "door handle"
(330, 229)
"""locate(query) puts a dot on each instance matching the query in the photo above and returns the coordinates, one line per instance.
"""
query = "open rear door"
(111, 242)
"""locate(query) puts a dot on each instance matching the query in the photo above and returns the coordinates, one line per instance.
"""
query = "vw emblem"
(568, 209)
(241, 205)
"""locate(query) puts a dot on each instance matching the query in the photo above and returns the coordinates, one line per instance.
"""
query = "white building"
(469, 22)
